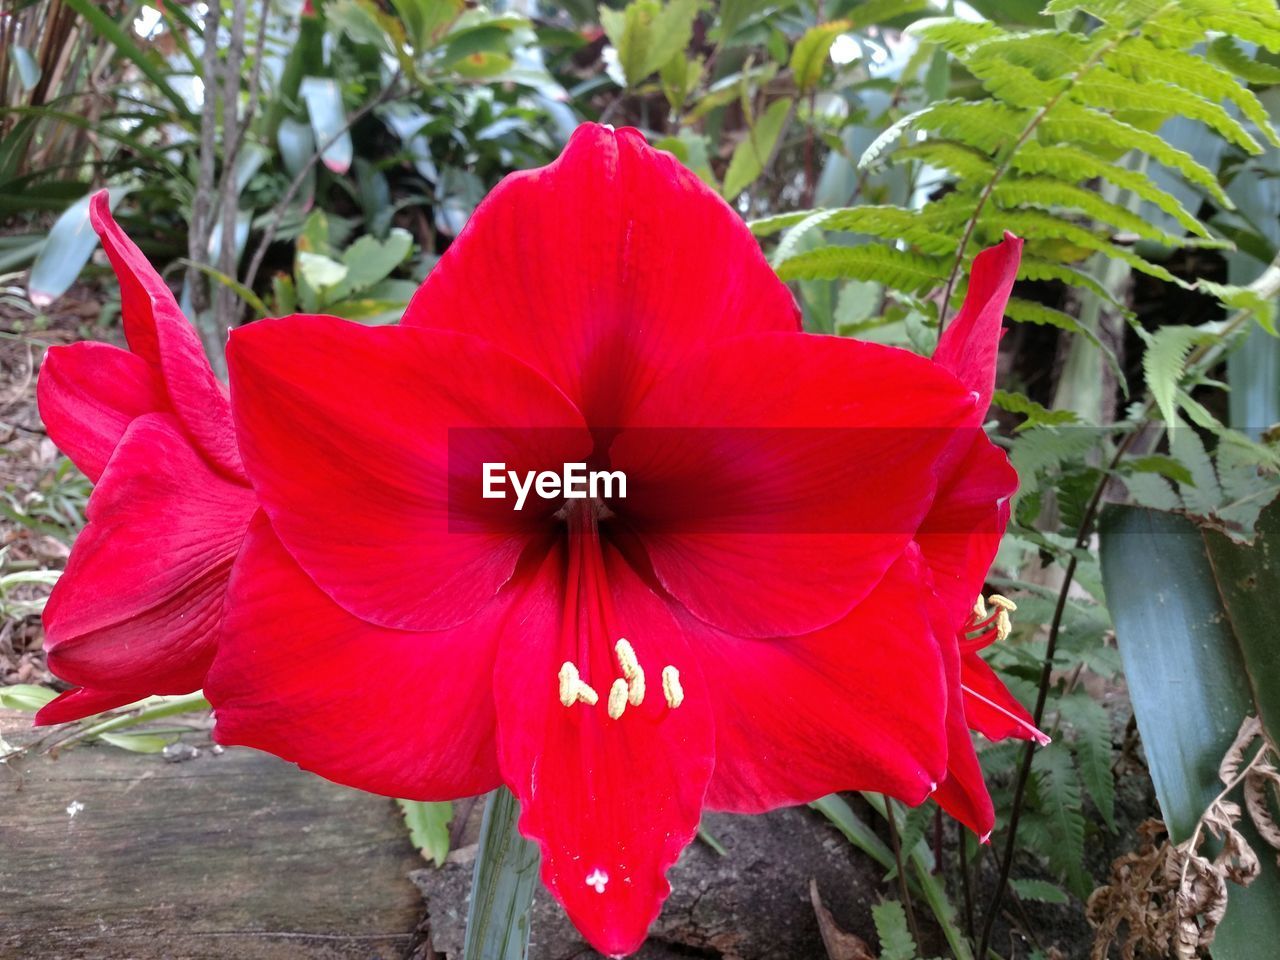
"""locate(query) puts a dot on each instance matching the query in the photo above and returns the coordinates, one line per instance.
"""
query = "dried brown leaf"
(840, 944)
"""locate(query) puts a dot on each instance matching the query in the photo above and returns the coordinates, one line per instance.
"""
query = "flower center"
(589, 612)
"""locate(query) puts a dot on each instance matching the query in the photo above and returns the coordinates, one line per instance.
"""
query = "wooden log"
(106, 854)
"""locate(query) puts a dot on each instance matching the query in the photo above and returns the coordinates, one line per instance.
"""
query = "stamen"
(572, 689)
(979, 609)
(1004, 603)
(631, 670)
(569, 684)
(617, 698)
(1004, 606)
(671, 688)
(626, 657)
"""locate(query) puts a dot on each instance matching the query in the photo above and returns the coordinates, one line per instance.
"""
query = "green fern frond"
(1114, 92)
(896, 942)
(1036, 414)
(909, 272)
(965, 162)
(1037, 268)
(953, 34)
(1048, 194)
(1139, 59)
(1072, 123)
(1091, 728)
(988, 125)
(1163, 363)
(1036, 223)
(1064, 161)
(1061, 804)
(1013, 83)
(1226, 53)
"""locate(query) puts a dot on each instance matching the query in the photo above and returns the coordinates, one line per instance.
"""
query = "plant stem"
(896, 844)
(503, 885)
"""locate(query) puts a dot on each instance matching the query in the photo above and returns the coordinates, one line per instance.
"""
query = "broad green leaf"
(648, 33)
(754, 150)
(369, 260)
(70, 243)
(323, 98)
(426, 21)
(25, 696)
(810, 53)
(28, 69)
(502, 887)
(320, 271)
(428, 825)
(1194, 613)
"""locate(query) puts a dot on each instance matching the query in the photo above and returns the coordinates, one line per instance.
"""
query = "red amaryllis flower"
(959, 539)
(138, 608)
(751, 626)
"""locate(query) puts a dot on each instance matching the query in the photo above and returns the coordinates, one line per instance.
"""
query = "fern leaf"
(953, 34)
(1061, 802)
(896, 942)
(1036, 223)
(1226, 53)
(767, 226)
(1152, 490)
(1163, 362)
(1260, 25)
(787, 247)
(988, 125)
(1046, 193)
(1035, 268)
(1203, 495)
(1028, 311)
(872, 156)
(1139, 59)
(1071, 122)
(908, 272)
(1067, 162)
(1091, 727)
(965, 162)
(1041, 891)
(1013, 83)
(1036, 414)
(1114, 92)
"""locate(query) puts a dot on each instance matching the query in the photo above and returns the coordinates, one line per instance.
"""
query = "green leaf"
(1194, 615)
(1163, 363)
(896, 942)
(428, 824)
(809, 56)
(1058, 790)
(1225, 52)
(502, 888)
(904, 271)
(836, 809)
(138, 742)
(323, 99)
(1035, 413)
(25, 696)
(1091, 726)
(28, 70)
(370, 260)
(1041, 891)
(320, 271)
(647, 34)
(70, 244)
(754, 150)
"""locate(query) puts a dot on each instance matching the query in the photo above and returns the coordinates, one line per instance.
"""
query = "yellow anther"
(635, 688)
(671, 688)
(1004, 606)
(626, 658)
(617, 698)
(979, 609)
(569, 684)
(1004, 603)
(572, 689)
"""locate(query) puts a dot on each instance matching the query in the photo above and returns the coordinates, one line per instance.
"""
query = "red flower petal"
(989, 706)
(138, 606)
(969, 515)
(775, 479)
(970, 342)
(962, 793)
(858, 705)
(404, 714)
(159, 333)
(82, 702)
(603, 270)
(88, 394)
(611, 802)
(346, 433)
